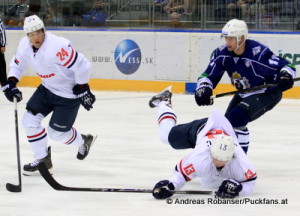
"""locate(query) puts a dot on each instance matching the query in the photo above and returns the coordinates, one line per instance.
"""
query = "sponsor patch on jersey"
(249, 174)
(248, 63)
(189, 169)
(256, 50)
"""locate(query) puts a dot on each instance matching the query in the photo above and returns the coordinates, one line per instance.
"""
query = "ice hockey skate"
(84, 150)
(165, 95)
(31, 169)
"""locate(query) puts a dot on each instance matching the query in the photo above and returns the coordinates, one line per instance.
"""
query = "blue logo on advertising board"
(128, 56)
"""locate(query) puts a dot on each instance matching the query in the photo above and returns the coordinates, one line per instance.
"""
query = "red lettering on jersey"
(249, 174)
(189, 169)
(46, 76)
(62, 54)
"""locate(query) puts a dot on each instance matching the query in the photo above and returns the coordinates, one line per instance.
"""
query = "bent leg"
(166, 121)
(71, 137)
(243, 110)
(36, 134)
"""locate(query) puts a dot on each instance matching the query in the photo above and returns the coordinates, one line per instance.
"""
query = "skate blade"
(94, 139)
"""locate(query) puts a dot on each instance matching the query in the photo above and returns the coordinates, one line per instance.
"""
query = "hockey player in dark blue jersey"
(248, 64)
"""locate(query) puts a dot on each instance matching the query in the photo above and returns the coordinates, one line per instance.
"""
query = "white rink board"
(172, 56)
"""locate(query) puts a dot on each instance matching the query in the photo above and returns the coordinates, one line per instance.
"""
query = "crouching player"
(217, 158)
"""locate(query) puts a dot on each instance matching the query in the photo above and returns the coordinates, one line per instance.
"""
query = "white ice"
(128, 154)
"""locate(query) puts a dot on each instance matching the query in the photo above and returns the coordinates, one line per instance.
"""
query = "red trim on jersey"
(36, 134)
(182, 172)
(210, 134)
(165, 117)
(17, 61)
(72, 55)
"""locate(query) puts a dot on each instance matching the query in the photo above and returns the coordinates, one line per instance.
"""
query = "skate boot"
(165, 95)
(83, 150)
(31, 169)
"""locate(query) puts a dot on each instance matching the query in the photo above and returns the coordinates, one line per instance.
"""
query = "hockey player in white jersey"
(217, 158)
(65, 75)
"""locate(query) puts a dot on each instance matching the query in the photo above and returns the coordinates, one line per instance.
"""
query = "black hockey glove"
(229, 188)
(202, 95)
(10, 90)
(162, 189)
(285, 81)
(85, 95)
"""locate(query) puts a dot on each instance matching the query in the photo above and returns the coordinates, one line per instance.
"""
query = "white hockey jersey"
(198, 163)
(58, 65)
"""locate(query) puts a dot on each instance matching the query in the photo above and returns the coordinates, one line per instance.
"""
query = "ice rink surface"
(128, 154)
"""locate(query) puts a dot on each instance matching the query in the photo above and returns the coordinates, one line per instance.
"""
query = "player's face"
(231, 43)
(37, 38)
(218, 163)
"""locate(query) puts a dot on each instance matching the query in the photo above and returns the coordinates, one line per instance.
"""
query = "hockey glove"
(202, 95)
(10, 90)
(162, 189)
(285, 81)
(85, 95)
(229, 188)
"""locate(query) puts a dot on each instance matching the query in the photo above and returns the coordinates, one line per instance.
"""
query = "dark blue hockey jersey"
(258, 65)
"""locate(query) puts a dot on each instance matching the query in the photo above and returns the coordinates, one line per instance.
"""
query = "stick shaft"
(248, 90)
(17, 141)
(57, 186)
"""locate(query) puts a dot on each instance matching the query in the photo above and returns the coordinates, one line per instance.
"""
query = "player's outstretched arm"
(163, 189)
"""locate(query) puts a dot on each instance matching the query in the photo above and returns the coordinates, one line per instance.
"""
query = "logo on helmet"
(222, 147)
(33, 23)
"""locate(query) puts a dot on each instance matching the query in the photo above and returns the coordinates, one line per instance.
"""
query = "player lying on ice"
(217, 158)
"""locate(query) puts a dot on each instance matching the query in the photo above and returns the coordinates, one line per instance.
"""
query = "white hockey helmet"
(235, 28)
(222, 147)
(33, 23)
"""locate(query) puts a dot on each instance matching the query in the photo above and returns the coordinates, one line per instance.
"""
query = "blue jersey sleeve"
(215, 69)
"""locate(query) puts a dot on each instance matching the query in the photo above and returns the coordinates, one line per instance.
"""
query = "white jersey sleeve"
(190, 167)
(243, 171)
(19, 62)
(69, 58)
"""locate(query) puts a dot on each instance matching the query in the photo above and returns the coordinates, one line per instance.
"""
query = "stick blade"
(13, 188)
(48, 177)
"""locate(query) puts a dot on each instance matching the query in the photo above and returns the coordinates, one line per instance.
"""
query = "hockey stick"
(11, 187)
(55, 185)
(247, 90)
